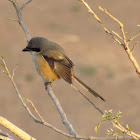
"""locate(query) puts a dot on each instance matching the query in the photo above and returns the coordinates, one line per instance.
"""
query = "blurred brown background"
(99, 62)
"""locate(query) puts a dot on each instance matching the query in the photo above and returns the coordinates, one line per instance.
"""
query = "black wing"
(60, 64)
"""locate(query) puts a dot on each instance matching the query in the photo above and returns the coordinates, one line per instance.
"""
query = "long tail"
(88, 88)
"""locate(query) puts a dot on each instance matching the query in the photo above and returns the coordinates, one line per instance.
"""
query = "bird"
(52, 63)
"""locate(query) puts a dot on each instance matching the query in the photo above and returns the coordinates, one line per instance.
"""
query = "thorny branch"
(123, 42)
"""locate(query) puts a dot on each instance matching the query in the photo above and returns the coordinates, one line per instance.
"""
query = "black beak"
(26, 49)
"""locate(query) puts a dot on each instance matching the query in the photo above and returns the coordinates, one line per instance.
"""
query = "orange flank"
(45, 70)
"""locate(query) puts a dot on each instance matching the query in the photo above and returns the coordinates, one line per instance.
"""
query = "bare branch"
(55, 100)
(104, 10)
(59, 108)
(133, 37)
(124, 43)
(13, 19)
(115, 123)
(101, 23)
(14, 71)
(61, 112)
(134, 46)
(115, 19)
(24, 4)
(14, 129)
(19, 15)
(5, 136)
(26, 107)
(120, 127)
(117, 35)
(16, 89)
(35, 109)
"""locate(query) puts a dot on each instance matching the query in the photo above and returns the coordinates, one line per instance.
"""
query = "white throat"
(34, 59)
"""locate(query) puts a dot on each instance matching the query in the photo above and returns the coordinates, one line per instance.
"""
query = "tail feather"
(88, 88)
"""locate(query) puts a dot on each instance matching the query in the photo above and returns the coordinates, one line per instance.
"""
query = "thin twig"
(24, 4)
(14, 71)
(104, 10)
(35, 109)
(115, 19)
(120, 127)
(101, 23)
(134, 46)
(19, 16)
(124, 43)
(133, 37)
(15, 20)
(24, 104)
(16, 89)
(115, 123)
(117, 35)
(5, 136)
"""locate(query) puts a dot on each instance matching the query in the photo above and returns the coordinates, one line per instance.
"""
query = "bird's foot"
(46, 84)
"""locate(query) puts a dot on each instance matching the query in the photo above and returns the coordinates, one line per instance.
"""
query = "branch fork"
(120, 40)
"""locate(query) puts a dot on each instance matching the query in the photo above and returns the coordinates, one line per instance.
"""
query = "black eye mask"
(31, 49)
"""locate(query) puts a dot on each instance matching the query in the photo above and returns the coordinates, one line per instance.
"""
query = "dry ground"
(99, 61)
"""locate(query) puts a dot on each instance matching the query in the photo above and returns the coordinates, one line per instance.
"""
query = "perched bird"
(52, 63)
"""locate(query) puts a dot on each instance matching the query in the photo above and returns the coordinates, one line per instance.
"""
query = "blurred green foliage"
(87, 70)
(76, 8)
(29, 77)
